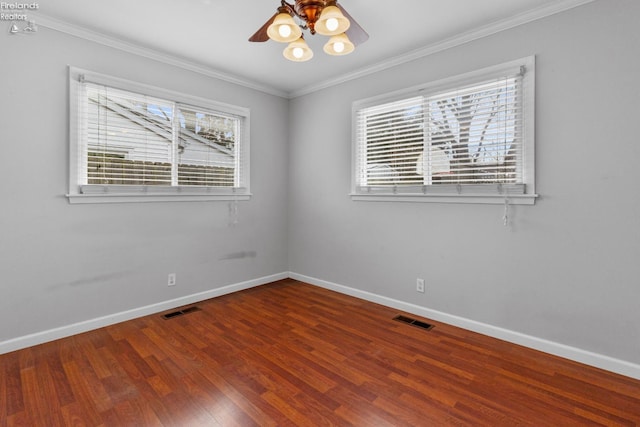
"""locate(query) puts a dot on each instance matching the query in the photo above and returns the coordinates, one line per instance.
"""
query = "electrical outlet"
(171, 281)
(420, 285)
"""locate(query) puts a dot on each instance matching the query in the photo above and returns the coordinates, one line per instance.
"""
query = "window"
(132, 142)
(465, 139)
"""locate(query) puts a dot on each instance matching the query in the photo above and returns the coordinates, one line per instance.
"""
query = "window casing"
(469, 138)
(133, 142)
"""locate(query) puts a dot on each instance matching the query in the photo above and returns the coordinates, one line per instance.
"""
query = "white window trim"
(124, 194)
(451, 193)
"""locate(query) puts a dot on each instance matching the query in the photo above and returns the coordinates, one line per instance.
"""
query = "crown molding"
(43, 20)
(478, 33)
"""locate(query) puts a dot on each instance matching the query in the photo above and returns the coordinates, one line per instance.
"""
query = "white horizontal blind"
(129, 138)
(207, 147)
(136, 140)
(465, 139)
(390, 139)
(474, 134)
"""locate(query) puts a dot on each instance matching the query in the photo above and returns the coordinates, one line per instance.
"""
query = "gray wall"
(61, 263)
(567, 269)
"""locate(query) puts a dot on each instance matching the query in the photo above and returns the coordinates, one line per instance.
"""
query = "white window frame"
(78, 192)
(446, 193)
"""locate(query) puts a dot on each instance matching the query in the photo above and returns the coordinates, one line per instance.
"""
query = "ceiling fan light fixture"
(331, 22)
(323, 17)
(284, 29)
(298, 51)
(339, 45)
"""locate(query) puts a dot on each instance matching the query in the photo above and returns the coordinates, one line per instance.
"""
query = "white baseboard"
(88, 325)
(578, 355)
(582, 356)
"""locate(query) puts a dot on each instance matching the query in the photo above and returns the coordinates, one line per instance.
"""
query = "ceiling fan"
(324, 17)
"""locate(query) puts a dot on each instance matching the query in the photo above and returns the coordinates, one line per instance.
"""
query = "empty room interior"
(427, 215)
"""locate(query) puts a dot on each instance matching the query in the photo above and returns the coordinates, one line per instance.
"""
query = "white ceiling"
(211, 35)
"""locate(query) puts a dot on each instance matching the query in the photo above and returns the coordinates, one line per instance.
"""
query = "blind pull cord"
(233, 210)
(505, 217)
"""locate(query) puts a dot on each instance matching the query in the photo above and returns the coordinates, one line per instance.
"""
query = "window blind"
(207, 148)
(463, 139)
(139, 141)
(129, 138)
(390, 139)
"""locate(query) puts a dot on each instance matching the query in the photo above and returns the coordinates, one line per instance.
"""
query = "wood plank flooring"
(291, 354)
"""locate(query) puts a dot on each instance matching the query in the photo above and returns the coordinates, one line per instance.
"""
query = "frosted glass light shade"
(339, 45)
(331, 22)
(283, 29)
(298, 51)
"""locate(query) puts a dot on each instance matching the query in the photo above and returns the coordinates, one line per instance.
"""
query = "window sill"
(513, 199)
(113, 197)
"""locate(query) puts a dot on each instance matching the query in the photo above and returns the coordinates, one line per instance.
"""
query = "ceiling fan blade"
(261, 35)
(356, 33)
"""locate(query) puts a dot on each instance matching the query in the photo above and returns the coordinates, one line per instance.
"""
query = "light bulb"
(339, 45)
(298, 52)
(284, 31)
(332, 24)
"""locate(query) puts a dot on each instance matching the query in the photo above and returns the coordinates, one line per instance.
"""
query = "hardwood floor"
(291, 354)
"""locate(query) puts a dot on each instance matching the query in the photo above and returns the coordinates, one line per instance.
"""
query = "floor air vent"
(413, 322)
(180, 312)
